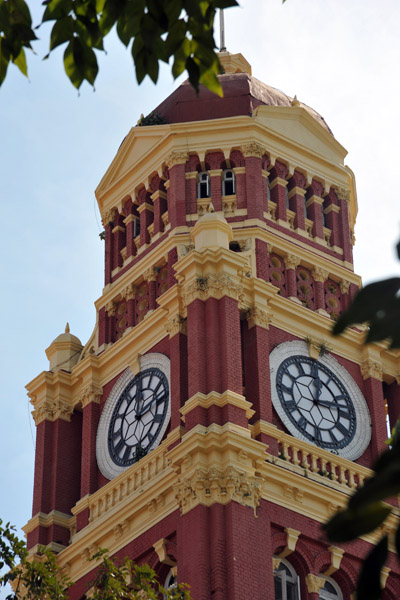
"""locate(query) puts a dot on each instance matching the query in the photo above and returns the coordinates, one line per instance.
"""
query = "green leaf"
(20, 62)
(384, 484)
(80, 63)
(369, 582)
(4, 60)
(56, 9)
(63, 31)
(349, 524)
(210, 80)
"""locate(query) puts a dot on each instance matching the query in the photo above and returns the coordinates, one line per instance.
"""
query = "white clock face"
(318, 401)
(135, 416)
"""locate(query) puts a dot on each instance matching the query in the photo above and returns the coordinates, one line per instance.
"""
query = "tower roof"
(242, 94)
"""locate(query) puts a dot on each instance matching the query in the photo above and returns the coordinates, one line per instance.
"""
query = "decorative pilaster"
(296, 193)
(90, 400)
(159, 199)
(151, 277)
(314, 585)
(176, 193)
(291, 263)
(145, 211)
(107, 221)
(344, 198)
(256, 202)
(277, 187)
(129, 294)
(372, 372)
(216, 188)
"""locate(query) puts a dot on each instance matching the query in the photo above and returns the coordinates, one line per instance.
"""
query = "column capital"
(314, 583)
(150, 274)
(177, 158)
(372, 368)
(91, 393)
(320, 274)
(252, 149)
(108, 216)
(344, 286)
(258, 316)
(111, 307)
(343, 194)
(129, 292)
(291, 261)
(176, 324)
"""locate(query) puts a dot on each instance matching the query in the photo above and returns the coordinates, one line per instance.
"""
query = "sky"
(337, 56)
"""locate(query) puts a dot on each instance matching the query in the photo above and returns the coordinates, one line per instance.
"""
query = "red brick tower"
(211, 424)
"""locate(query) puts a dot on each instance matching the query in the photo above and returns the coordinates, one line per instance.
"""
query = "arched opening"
(228, 183)
(286, 582)
(203, 186)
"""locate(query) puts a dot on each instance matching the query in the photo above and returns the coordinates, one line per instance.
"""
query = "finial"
(295, 102)
(67, 328)
(222, 47)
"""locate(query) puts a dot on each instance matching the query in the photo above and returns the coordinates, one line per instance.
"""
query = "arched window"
(331, 590)
(228, 183)
(286, 582)
(203, 186)
(171, 581)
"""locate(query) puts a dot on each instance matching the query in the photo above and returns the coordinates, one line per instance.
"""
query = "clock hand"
(152, 401)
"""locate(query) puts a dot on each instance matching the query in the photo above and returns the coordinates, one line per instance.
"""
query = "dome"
(242, 94)
(67, 337)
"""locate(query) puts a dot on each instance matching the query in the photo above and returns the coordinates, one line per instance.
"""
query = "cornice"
(216, 399)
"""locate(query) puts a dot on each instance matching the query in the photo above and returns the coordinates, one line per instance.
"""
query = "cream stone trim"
(296, 191)
(111, 308)
(150, 274)
(314, 200)
(177, 158)
(344, 286)
(252, 149)
(277, 181)
(216, 399)
(191, 175)
(176, 324)
(215, 172)
(314, 583)
(292, 535)
(109, 216)
(291, 261)
(145, 206)
(332, 208)
(130, 218)
(384, 576)
(343, 193)
(336, 559)
(117, 228)
(240, 170)
(276, 561)
(129, 292)
(54, 517)
(265, 173)
(158, 194)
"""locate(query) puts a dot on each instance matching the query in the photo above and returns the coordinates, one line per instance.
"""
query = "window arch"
(228, 183)
(203, 185)
(331, 590)
(286, 582)
(171, 580)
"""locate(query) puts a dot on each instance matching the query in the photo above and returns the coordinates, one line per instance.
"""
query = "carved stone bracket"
(314, 583)
(343, 194)
(109, 216)
(258, 316)
(344, 286)
(212, 286)
(121, 529)
(150, 274)
(176, 324)
(111, 307)
(161, 550)
(336, 559)
(177, 158)
(218, 486)
(252, 149)
(91, 393)
(372, 368)
(292, 535)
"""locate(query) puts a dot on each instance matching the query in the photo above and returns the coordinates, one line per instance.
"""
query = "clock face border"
(105, 462)
(362, 435)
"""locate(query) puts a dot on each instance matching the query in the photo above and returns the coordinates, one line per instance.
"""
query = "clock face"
(316, 402)
(135, 416)
(138, 417)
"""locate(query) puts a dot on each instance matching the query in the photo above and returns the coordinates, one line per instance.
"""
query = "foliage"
(155, 30)
(42, 578)
(378, 305)
(151, 119)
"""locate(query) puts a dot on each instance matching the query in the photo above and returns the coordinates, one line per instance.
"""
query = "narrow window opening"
(203, 186)
(228, 183)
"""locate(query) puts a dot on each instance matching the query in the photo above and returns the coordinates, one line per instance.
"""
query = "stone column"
(159, 199)
(110, 310)
(150, 276)
(108, 220)
(191, 192)
(320, 276)
(314, 585)
(240, 178)
(332, 211)
(216, 188)
(296, 185)
(344, 289)
(129, 222)
(344, 198)
(291, 263)
(256, 203)
(129, 294)
(145, 211)
(277, 186)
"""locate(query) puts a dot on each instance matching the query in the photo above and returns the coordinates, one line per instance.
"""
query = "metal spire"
(222, 47)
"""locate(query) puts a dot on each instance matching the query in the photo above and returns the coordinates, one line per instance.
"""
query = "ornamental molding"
(160, 548)
(212, 286)
(91, 393)
(336, 559)
(150, 274)
(292, 535)
(258, 316)
(218, 486)
(372, 368)
(111, 308)
(343, 194)
(314, 583)
(109, 216)
(320, 275)
(344, 286)
(252, 149)
(177, 158)
(51, 410)
(129, 292)
(291, 261)
(176, 324)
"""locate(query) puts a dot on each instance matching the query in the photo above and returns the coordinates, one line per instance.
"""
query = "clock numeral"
(344, 411)
(317, 434)
(333, 437)
(118, 447)
(342, 428)
(157, 418)
(302, 422)
(290, 405)
(284, 388)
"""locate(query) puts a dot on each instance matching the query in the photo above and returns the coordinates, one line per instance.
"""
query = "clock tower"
(211, 424)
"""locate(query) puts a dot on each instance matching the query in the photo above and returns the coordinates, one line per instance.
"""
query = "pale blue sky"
(340, 57)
